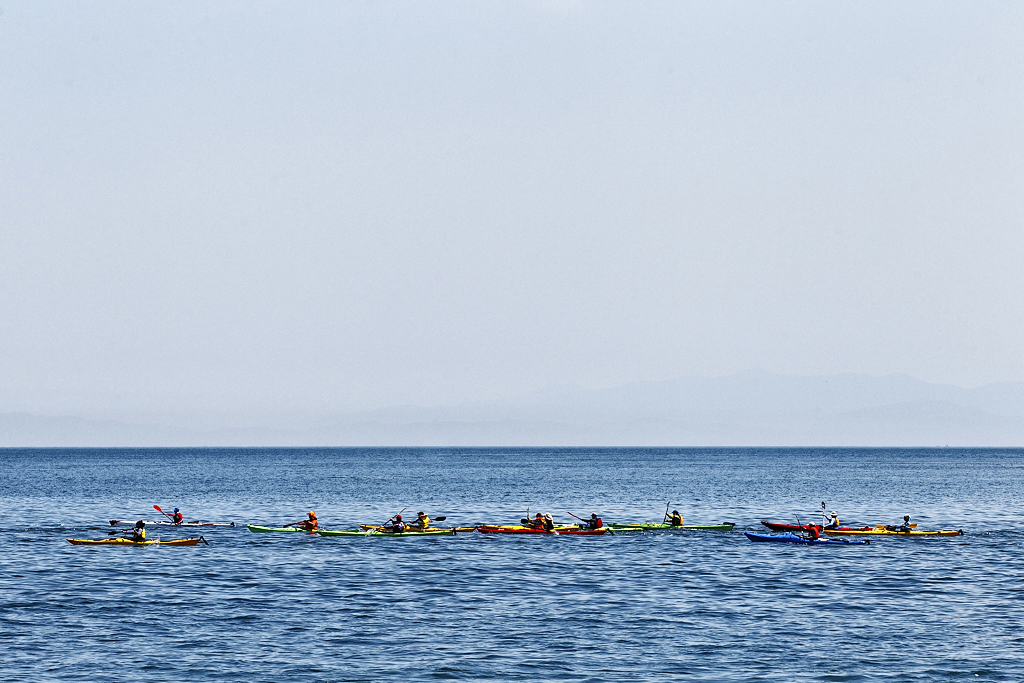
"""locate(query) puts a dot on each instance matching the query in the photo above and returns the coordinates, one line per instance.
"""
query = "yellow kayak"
(886, 532)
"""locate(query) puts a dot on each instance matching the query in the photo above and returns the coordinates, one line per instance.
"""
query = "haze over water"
(647, 607)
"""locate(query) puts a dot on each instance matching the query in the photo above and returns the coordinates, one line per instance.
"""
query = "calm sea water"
(648, 607)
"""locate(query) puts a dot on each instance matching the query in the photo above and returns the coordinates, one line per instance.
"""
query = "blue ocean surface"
(657, 606)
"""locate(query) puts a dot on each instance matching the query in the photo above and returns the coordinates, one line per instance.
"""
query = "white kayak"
(165, 522)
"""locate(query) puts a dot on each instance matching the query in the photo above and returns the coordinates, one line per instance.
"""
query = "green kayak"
(724, 526)
(264, 529)
(374, 532)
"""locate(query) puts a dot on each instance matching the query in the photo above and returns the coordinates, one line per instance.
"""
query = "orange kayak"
(128, 541)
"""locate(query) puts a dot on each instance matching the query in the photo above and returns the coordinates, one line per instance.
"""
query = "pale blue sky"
(334, 206)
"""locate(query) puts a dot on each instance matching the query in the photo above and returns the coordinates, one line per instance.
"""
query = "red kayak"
(797, 527)
(525, 530)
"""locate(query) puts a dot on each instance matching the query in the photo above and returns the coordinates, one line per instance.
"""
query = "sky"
(322, 206)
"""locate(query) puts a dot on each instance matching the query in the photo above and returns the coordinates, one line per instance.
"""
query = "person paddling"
(549, 522)
(833, 522)
(177, 517)
(139, 532)
(538, 521)
(812, 532)
(309, 524)
(395, 525)
(422, 521)
(675, 519)
(906, 524)
(594, 522)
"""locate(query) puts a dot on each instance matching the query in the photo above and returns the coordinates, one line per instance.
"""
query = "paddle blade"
(157, 508)
(440, 519)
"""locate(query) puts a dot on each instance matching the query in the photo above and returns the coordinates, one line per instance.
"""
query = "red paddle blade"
(157, 508)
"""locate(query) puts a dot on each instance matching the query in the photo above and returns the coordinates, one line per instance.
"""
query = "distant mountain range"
(747, 409)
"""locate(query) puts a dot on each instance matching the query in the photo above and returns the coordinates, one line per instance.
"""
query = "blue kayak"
(793, 538)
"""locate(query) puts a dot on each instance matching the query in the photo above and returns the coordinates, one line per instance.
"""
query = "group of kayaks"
(522, 529)
(798, 534)
(811, 534)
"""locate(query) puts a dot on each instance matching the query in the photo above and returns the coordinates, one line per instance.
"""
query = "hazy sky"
(330, 205)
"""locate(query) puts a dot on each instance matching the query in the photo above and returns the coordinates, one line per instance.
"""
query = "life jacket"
(539, 523)
(309, 524)
(812, 531)
(596, 523)
(398, 527)
(139, 534)
(677, 520)
(177, 518)
(423, 522)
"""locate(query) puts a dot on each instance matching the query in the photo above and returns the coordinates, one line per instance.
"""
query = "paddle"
(395, 515)
(157, 508)
(415, 525)
(390, 521)
(587, 521)
(578, 517)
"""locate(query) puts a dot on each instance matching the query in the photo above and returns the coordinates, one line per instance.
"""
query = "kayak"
(651, 526)
(128, 541)
(115, 522)
(558, 531)
(787, 537)
(374, 532)
(458, 529)
(490, 528)
(263, 529)
(889, 532)
(775, 526)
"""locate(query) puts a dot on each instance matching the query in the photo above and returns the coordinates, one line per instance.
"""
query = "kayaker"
(812, 532)
(538, 521)
(422, 521)
(309, 524)
(549, 522)
(675, 519)
(397, 525)
(177, 517)
(594, 522)
(906, 524)
(139, 532)
(833, 522)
